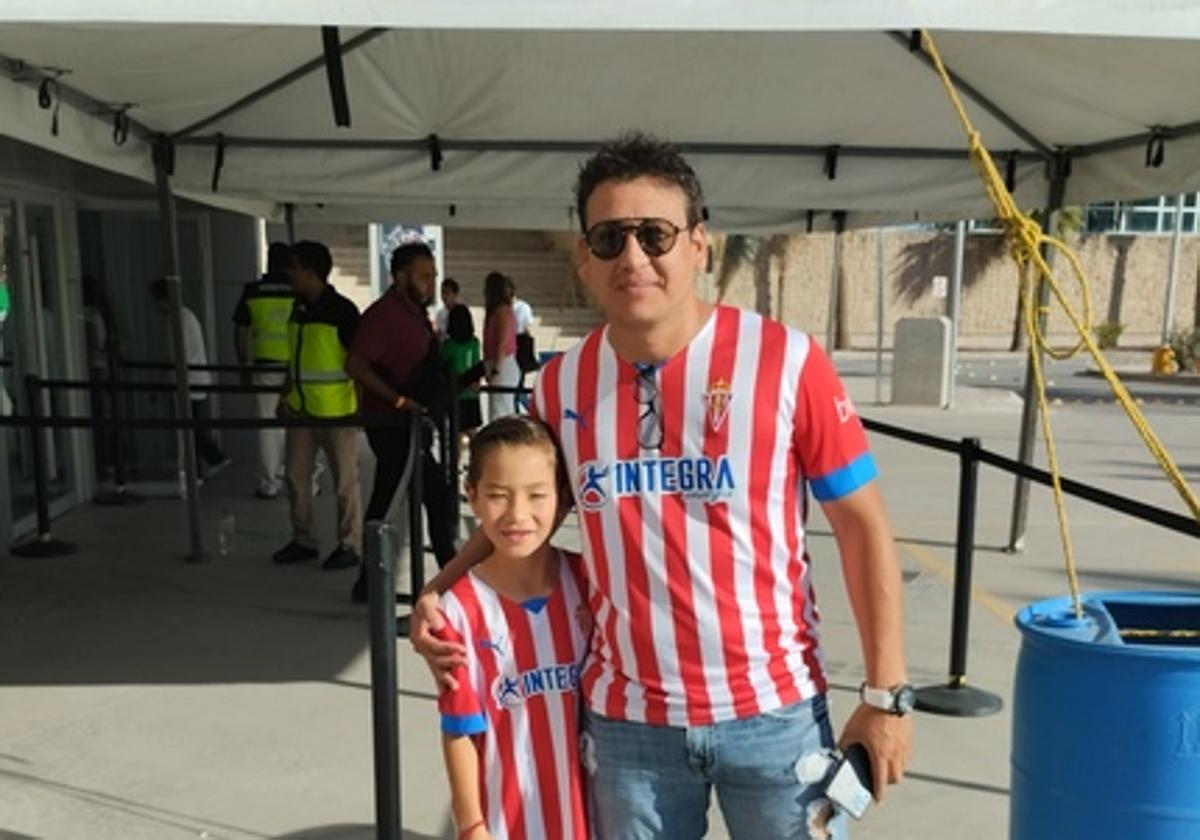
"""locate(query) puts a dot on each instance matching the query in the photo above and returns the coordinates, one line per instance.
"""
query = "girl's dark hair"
(460, 326)
(497, 290)
(511, 430)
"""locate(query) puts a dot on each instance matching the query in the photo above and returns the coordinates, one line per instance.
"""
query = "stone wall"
(790, 279)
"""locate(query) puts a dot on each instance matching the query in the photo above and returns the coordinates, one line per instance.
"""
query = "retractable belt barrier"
(955, 697)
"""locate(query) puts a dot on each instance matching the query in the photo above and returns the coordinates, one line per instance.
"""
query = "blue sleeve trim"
(463, 724)
(843, 482)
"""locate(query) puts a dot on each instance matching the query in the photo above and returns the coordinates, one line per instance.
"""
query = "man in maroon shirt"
(394, 359)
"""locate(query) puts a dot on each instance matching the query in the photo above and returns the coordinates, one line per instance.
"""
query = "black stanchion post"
(451, 455)
(43, 543)
(381, 584)
(416, 530)
(412, 484)
(956, 698)
(121, 494)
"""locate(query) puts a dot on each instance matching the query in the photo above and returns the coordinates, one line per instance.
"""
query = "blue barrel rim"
(1039, 633)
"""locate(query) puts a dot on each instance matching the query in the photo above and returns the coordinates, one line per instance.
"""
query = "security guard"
(261, 319)
(319, 335)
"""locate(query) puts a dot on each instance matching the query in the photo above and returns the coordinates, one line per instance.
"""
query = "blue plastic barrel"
(1106, 719)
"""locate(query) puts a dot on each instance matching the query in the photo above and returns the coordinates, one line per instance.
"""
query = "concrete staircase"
(541, 270)
(539, 264)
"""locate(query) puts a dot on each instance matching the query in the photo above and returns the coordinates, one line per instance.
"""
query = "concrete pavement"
(141, 697)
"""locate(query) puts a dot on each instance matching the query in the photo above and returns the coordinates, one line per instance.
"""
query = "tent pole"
(879, 281)
(975, 95)
(289, 219)
(1172, 270)
(1029, 408)
(362, 39)
(953, 304)
(183, 403)
(839, 225)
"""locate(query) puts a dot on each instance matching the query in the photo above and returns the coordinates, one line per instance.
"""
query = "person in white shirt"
(194, 353)
(450, 293)
(523, 315)
(526, 354)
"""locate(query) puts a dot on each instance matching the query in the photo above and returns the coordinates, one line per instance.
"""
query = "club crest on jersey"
(511, 690)
(704, 478)
(717, 399)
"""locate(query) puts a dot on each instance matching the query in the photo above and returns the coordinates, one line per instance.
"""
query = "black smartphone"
(851, 784)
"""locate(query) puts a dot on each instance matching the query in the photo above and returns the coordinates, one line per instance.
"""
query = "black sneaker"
(342, 557)
(293, 552)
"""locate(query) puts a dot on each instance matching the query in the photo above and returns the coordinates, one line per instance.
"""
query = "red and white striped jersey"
(700, 584)
(518, 697)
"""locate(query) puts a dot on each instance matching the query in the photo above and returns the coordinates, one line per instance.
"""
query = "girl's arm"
(462, 768)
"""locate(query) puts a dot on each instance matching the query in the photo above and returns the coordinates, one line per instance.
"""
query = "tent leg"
(183, 404)
(1029, 409)
(1172, 271)
(835, 291)
(880, 271)
(953, 304)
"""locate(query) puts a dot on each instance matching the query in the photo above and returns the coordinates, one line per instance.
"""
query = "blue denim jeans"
(648, 782)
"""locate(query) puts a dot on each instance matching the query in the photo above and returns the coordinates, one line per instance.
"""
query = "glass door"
(33, 340)
(44, 282)
(14, 365)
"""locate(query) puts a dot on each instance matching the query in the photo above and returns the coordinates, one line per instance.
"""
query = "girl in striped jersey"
(510, 722)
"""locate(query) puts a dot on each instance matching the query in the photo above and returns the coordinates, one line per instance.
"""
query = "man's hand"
(441, 656)
(888, 740)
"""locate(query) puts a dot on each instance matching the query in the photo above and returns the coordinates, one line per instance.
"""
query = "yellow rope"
(1026, 240)
(1139, 633)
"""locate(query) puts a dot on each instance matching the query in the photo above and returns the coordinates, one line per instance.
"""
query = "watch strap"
(878, 698)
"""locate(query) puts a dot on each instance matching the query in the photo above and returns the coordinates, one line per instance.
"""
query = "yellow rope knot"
(1030, 246)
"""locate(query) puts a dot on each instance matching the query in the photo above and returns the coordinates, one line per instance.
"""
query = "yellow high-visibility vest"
(270, 307)
(317, 361)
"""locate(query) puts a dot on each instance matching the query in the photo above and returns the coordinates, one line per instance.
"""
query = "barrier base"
(44, 545)
(117, 498)
(958, 700)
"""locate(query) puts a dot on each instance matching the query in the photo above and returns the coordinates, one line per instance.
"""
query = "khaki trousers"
(340, 446)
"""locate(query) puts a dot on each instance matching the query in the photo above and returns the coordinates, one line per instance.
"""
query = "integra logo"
(511, 690)
(708, 479)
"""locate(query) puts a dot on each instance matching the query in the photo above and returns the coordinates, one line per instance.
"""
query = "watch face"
(906, 698)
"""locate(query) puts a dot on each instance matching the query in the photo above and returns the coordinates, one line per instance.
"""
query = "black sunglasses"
(606, 240)
(649, 428)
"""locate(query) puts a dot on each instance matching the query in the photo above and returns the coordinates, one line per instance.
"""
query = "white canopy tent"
(477, 113)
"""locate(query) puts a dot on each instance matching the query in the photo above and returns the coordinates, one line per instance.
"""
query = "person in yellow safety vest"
(320, 332)
(261, 323)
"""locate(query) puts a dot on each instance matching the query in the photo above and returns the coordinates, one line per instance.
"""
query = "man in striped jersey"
(692, 433)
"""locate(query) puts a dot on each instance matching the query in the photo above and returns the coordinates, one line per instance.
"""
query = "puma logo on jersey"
(572, 414)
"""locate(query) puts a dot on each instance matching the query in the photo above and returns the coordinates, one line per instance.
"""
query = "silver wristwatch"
(897, 700)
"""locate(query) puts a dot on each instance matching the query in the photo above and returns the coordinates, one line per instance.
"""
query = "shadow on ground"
(126, 609)
(353, 832)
